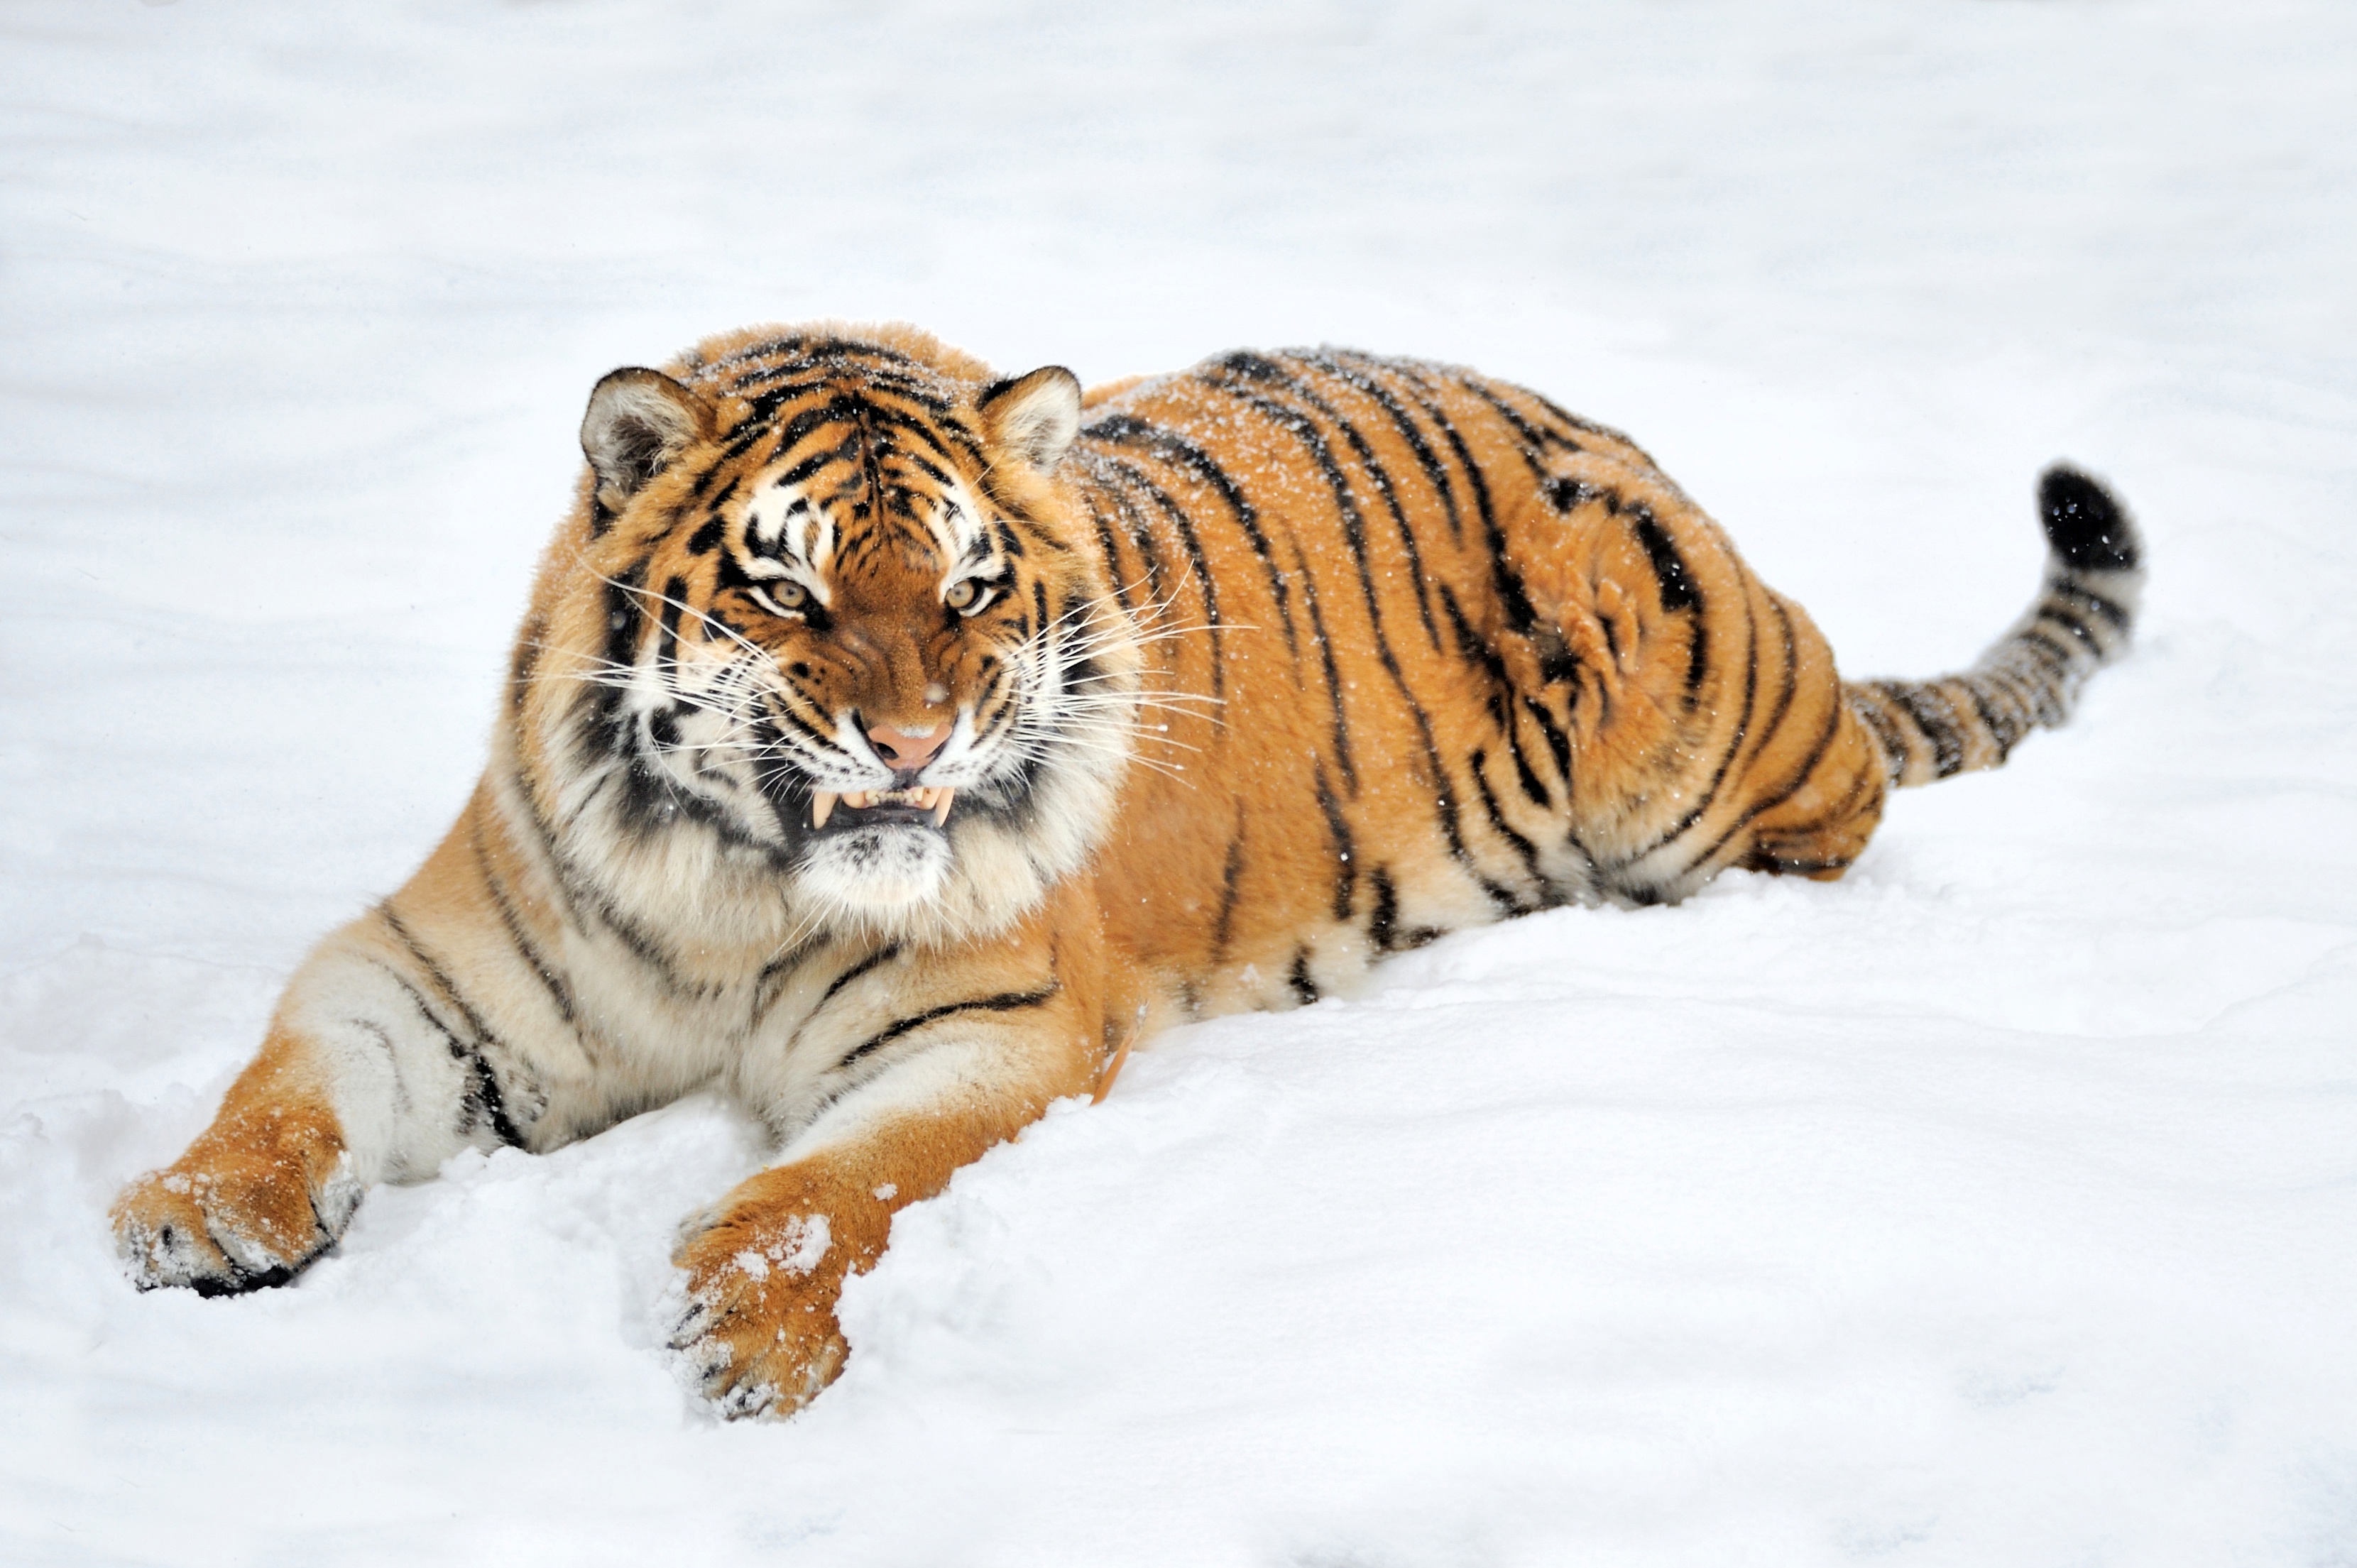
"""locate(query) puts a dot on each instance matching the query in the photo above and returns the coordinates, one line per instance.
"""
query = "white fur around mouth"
(935, 798)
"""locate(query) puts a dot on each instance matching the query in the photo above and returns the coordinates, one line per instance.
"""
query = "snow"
(1997, 1205)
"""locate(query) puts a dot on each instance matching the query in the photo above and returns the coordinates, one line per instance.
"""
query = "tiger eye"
(962, 594)
(790, 596)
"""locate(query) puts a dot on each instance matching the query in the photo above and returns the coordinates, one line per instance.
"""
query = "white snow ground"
(1997, 1206)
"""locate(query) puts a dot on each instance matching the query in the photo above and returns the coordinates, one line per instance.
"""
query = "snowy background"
(1998, 1206)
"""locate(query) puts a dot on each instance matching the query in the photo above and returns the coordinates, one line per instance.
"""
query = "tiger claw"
(746, 1401)
(691, 1325)
(229, 1227)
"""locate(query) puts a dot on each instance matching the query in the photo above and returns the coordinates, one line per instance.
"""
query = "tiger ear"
(638, 421)
(1037, 415)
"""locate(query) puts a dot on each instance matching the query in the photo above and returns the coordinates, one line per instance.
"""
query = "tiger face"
(847, 631)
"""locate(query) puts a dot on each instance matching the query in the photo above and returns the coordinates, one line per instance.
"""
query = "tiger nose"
(905, 751)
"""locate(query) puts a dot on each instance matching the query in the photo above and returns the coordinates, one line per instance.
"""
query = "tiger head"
(835, 628)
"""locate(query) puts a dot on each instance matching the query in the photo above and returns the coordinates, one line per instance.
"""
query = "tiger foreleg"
(369, 1071)
(260, 1193)
(766, 1264)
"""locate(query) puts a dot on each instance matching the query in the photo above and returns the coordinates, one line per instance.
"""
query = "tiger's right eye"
(786, 594)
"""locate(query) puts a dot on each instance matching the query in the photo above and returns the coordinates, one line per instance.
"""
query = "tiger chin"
(891, 744)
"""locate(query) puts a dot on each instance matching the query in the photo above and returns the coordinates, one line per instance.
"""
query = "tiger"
(891, 747)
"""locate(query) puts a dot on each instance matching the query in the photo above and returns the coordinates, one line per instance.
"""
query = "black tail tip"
(2087, 527)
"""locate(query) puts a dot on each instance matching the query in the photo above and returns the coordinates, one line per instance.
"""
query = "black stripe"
(402, 1102)
(866, 966)
(841, 452)
(714, 504)
(1006, 1002)
(1435, 472)
(1511, 598)
(2001, 735)
(1299, 426)
(1678, 590)
(1775, 724)
(609, 735)
(1354, 536)
(1126, 430)
(732, 452)
(1305, 988)
(1204, 582)
(1923, 704)
(1896, 752)
(1381, 478)
(1107, 544)
(1562, 416)
(1446, 805)
(1793, 783)
(2095, 601)
(1558, 743)
(2019, 698)
(1338, 829)
(2071, 623)
(2063, 660)
(559, 994)
(456, 1047)
(1333, 673)
(482, 1101)
(1792, 684)
(436, 973)
(1353, 521)
(1837, 811)
(1382, 912)
(1535, 438)
(581, 898)
(1522, 847)
(675, 604)
(1726, 761)
(1504, 716)
(769, 985)
(1133, 525)
(1223, 927)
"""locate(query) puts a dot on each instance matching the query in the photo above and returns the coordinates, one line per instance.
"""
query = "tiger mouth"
(862, 808)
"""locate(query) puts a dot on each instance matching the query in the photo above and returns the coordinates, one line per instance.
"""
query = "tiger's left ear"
(1037, 415)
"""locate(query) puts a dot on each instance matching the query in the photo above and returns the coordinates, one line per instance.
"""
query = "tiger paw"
(759, 1333)
(233, 1215)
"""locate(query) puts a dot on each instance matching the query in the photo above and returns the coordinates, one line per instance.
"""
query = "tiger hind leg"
(1707, 725)
(1821, 827)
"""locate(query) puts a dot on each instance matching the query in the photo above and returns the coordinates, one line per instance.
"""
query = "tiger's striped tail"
(2080, 621)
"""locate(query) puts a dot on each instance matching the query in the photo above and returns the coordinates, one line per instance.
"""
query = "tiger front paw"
(233, 1215)
(759, 1333)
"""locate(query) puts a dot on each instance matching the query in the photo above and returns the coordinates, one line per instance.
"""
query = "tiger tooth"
(941, 806)
(822, 807)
